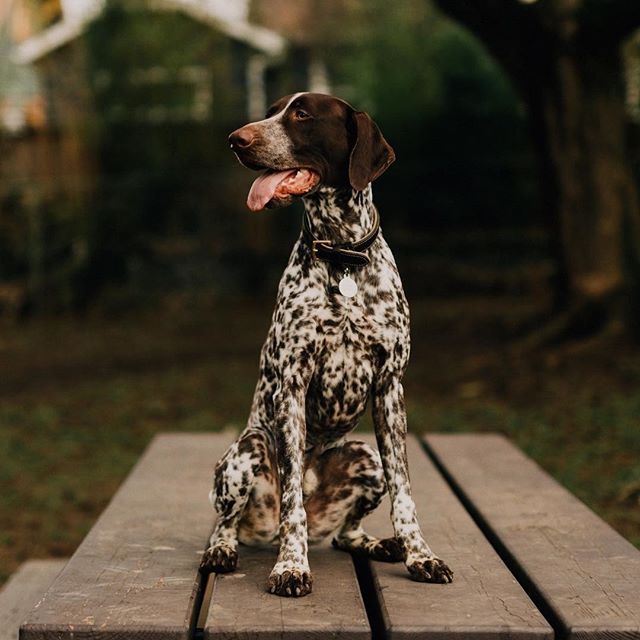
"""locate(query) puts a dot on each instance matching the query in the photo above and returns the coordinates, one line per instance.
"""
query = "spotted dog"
(339, 335)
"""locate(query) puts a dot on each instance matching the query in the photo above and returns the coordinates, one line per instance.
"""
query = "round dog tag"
(348, 287)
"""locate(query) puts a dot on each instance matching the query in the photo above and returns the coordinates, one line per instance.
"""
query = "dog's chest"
(347, 358)
(342, 376)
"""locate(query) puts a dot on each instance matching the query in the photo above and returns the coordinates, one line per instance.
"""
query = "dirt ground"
(81, 397)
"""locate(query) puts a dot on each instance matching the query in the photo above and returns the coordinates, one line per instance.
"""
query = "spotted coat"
(291, 477)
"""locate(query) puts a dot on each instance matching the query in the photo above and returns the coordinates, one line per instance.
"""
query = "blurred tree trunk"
(564, 59)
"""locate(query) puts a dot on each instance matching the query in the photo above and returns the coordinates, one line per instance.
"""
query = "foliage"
(464, 158)
(159, 150)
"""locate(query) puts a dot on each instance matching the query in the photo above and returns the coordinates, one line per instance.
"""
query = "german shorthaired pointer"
(339, 334)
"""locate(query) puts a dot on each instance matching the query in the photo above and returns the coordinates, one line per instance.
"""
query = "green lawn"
(80, 399)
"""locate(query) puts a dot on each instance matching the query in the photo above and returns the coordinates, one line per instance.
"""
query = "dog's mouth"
(277, 188)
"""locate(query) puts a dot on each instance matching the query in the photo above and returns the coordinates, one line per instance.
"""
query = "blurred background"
(136, 288)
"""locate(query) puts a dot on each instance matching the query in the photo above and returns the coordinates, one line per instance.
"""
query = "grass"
(80, 399)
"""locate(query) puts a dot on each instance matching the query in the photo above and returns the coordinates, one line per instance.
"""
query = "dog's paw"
(387, 550)
(430, 570)
(290, 583)
(220, 558)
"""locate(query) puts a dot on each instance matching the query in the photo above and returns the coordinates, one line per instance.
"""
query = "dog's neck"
(340, 215)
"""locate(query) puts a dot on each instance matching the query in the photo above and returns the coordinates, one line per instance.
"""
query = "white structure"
(80, 10)
(227, 16)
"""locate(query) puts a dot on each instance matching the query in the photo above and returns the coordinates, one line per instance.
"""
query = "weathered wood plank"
(135, 575)
(585, 573)
(23, 590)
(483, 602)
(241, 608)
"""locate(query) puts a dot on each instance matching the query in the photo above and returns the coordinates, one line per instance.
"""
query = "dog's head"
(308, 140)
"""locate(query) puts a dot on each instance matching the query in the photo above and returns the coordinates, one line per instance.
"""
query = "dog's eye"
(299, 114)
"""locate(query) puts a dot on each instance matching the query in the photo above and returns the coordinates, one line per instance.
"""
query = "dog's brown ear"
(371, 153)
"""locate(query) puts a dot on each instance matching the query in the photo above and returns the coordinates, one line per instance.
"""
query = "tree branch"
(491, 20)
(498, 21)
(609, 20)
(513, 32)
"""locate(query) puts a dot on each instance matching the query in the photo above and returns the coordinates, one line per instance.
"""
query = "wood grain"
(241, 609)
(135, 575)
(23, 590)
(483, 602)
(586, 574)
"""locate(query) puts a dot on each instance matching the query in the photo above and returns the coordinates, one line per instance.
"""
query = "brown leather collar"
(348, 253)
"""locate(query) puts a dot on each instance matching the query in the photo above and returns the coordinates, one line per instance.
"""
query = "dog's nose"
(241, 138)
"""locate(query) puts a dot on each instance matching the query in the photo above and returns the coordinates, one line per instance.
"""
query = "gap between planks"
(484, 601)
(512, 563)
(582, 574)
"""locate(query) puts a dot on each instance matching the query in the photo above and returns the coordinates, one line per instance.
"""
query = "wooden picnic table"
(530, 561)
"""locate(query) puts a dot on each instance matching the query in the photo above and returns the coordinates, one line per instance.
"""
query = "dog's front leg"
(291, 575)
(391, 432)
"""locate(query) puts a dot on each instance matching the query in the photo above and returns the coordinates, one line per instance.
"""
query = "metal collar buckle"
(322, 243)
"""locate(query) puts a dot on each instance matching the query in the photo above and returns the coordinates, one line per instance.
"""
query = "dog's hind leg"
(350, 484)
(235, 476)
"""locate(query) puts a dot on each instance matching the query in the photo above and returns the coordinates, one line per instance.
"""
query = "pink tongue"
(264, 187)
